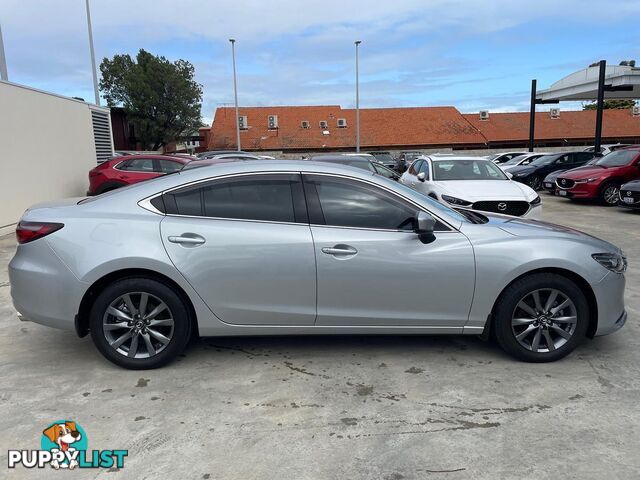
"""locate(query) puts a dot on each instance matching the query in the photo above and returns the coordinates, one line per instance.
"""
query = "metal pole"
(93, 56)
(532, 115)
(358, 42)
(600, 106)
(3, 60)
(235, 90)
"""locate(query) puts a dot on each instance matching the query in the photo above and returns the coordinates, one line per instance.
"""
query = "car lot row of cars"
(611, 179)
(507, 183)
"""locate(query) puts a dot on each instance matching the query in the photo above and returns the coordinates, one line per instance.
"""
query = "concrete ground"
(348, 407)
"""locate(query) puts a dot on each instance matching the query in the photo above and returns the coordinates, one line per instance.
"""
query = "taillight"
(30, 231)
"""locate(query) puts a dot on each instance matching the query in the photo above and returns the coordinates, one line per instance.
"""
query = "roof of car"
(454, 157)
(338, 158)
(138, 156)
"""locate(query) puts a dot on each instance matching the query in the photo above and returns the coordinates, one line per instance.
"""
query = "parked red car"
(125, 170)
(602, 179)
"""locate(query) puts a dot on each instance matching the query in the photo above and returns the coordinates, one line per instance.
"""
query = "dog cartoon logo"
(64, 436)
(64, 445)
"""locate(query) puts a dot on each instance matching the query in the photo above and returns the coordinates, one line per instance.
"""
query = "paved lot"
(350, 407)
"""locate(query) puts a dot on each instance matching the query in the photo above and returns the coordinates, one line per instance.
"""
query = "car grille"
(630, 194)
(515, 208)
(565, 183)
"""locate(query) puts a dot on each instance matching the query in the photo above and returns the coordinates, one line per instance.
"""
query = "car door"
(244, 244)
(373, 270)
(163, 166)
(136, 170)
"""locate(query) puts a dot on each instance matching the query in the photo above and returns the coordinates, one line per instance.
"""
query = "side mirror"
(424, 226)
(509, 175)
(422, 176)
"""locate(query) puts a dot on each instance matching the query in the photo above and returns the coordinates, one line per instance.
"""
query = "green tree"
(161, 98)
(611, 104)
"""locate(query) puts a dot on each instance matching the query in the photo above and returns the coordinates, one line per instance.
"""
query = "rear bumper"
(609, 293)
(43, 289)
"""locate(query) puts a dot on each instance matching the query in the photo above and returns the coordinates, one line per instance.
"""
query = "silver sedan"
(292, 247)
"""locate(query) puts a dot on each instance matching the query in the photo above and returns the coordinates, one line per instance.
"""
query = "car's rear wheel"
(541, 318)
(535, 182)
(609, 193)
(139, 323)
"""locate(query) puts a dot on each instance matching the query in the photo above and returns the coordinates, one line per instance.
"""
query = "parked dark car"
(549, 182)
(126, 170)
(603, 179)
(405, 159)
(629, 196)
(534, 173)
(358, 162)
(385, 158)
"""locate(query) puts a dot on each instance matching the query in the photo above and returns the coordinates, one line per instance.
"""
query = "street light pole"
(357, 43)
(235, 90)
(93, 56)
(3, 60)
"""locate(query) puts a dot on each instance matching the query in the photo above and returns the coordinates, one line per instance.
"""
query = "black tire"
(535, 182)
(178, 312)
(507, 305)
(609, 194)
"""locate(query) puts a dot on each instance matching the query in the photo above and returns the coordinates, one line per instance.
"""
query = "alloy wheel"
(535, 182)
(138, 325)
(610, 194)
(544, 320)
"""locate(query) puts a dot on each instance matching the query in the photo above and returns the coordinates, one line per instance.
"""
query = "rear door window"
(275, 198)
(137, 165)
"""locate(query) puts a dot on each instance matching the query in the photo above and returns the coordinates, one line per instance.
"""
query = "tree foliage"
(611, 104)
(161, 98)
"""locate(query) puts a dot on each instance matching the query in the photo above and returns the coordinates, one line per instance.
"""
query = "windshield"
(432, 204)
(618, 158)
(545, 160)
(383, 157)
(467, 170)
(515, 160)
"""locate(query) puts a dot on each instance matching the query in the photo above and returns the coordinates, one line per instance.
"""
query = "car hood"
(521, 227)
(586, 172)
(474, 190)
(526, 169)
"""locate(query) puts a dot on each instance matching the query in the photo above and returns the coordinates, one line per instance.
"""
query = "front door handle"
(340, 250)
(187, 239)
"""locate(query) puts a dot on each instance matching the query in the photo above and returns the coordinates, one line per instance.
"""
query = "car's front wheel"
(541, 317)
(535, 182)
(139, 323)
(609, 193)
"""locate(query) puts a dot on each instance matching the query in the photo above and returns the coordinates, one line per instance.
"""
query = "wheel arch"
(575, 278)
(82, 317)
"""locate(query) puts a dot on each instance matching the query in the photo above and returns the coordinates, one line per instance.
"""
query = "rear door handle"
(187, 239)
(340, 250)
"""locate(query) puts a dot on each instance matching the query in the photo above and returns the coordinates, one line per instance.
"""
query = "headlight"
(616, 262)
(588, 180)
(520, 174)
(455, 201)
(535, 201)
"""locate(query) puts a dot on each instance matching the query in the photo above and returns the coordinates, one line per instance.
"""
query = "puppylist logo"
(64, 445)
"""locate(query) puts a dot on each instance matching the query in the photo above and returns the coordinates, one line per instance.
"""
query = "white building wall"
(46, 149)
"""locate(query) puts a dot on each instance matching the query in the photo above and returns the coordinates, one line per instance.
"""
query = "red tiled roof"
(392, 127)
(571, 125)
(408, 128)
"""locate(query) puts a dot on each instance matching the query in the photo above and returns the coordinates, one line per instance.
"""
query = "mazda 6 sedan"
(297, 247)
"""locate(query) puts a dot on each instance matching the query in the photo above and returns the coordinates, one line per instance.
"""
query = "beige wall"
(46, 149)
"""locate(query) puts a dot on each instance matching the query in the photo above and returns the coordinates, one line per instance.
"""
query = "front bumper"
(534, 213)
(609, 293)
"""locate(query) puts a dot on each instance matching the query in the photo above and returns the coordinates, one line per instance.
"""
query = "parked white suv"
(473, 183)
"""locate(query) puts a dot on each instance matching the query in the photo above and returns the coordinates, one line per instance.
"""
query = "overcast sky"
(466, 53)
